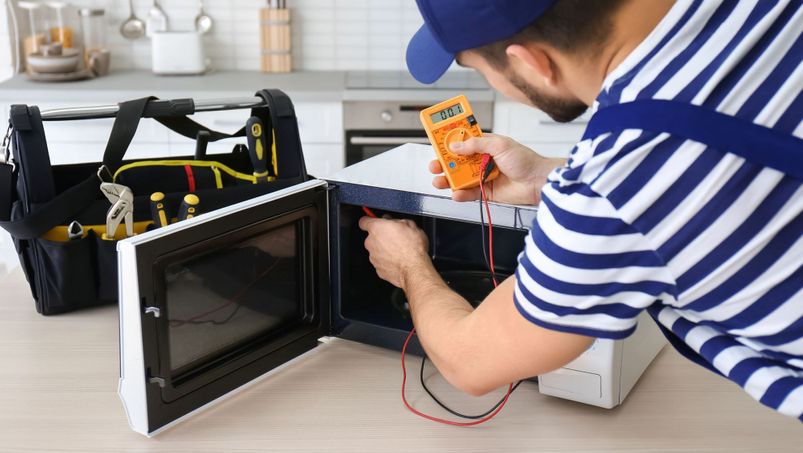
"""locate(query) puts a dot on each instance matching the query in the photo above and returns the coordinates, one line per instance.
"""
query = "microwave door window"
(224, 298)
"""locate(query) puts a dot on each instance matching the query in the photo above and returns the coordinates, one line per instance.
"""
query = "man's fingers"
(366, 222)
(440, 182)
(435, 167)
(487, 144)
(466, 195)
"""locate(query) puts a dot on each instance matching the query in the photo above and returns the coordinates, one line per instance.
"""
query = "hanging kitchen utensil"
(203, 22)
(157, 19)
(133, 27)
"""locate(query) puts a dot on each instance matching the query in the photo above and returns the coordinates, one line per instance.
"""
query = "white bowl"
(52, 64)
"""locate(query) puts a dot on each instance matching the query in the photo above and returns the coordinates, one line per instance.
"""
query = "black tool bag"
(39, 200)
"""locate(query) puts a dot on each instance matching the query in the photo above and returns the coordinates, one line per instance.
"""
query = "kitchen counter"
(301, 86)
(318, 86)
(59, 380)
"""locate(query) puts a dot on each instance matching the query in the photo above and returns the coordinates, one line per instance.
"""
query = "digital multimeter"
(448, 122)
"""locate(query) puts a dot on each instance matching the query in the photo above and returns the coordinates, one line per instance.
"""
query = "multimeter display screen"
(447, 113)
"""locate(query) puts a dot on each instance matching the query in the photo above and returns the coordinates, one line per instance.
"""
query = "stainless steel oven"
(373, 127)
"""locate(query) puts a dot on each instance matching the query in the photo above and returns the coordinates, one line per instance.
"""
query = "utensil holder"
(275, 40)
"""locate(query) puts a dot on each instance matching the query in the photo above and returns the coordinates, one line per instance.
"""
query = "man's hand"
(396, 248)
(522, 171)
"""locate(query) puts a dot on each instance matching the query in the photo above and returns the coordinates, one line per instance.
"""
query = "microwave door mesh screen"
(223, 298)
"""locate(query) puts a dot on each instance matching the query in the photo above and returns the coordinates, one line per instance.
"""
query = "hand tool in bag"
(258, 148)
(158, 212)
(75, 230)
(122, 200)
(189, 207)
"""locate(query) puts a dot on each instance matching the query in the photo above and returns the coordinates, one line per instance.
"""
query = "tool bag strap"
(753, 142)
(275, 99)
(189, 128)
(76, 198)
(284, 124)
(70, 202)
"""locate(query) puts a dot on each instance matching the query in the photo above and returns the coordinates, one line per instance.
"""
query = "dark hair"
(571, 26)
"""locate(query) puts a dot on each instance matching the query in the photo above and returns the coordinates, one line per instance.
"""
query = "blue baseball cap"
(451, 26)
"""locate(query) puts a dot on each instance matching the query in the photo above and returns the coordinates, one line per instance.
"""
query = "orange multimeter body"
(448, 122)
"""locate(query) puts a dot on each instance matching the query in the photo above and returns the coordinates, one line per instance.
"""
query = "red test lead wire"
(368, 212)
(486, 158)
(483, 168)
(436, 419)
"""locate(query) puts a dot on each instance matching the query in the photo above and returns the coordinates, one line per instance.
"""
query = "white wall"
(327, 34)
(6, 64)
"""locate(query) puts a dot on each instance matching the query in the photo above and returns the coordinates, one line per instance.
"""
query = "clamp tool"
(75, 231)
(122, 200)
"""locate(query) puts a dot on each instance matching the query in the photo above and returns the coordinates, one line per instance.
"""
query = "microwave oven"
(211, 304)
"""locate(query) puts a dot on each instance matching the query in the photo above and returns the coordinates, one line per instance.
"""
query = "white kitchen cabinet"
(535, 129)
(323, 158)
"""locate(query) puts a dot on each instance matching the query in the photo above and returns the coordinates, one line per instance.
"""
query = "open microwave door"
(212, 303)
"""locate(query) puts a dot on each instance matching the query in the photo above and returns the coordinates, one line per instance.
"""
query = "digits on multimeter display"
(447, 113)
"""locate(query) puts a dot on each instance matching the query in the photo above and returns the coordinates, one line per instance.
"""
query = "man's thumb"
(474, 145)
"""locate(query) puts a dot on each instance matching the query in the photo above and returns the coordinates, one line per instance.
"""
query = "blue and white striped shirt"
(710, 244)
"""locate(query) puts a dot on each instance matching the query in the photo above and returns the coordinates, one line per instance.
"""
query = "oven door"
(210, 304)
(364, 144)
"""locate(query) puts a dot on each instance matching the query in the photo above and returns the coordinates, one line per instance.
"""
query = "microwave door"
(210, 304)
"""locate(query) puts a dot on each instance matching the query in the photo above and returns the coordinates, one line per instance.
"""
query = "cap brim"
(427, 60)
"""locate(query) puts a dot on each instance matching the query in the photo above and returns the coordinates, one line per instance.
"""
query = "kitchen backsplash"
(327, 34)
(6, 61)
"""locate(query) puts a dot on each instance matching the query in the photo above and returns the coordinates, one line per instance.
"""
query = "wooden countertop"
(58, 377)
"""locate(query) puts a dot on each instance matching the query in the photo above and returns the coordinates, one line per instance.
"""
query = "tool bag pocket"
(65, 275)
(38, 201)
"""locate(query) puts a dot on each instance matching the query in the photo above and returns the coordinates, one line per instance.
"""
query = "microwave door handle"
(388, 140)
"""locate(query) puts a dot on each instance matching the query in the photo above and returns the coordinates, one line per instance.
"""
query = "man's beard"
(560, 110)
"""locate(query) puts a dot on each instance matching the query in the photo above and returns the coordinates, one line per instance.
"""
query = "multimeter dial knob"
(457, 135)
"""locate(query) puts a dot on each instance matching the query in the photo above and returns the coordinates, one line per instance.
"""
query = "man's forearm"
(437, 313)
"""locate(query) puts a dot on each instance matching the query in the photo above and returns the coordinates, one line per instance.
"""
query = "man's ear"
(536, 59)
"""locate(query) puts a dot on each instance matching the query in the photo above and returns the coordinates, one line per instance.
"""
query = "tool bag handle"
(754, 142)
(70, 202)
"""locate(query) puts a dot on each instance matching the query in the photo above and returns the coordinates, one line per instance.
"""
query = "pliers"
(122, 200)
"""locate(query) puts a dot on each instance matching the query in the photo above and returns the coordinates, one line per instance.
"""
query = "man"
(706, 241)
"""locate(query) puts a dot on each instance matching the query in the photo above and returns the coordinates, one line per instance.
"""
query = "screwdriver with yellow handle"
(158, 211)
(259, 148)
(189, 208)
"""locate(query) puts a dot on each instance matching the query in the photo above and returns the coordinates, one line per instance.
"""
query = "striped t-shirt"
(710, 244)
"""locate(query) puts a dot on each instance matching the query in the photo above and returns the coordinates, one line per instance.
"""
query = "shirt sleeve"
(583, 269)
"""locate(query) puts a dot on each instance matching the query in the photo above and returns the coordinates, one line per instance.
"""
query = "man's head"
(520, 46)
